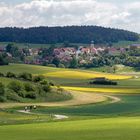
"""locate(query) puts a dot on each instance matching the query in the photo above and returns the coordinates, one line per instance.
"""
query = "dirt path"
(114, 99)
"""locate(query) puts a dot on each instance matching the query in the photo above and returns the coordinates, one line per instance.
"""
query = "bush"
(22, 93)
(51, 65)
(39, 90)
(38, 78)
(12, 96)
(28, 87)
(103, 81)
(44, 82)
(61, 66)
(46, 88)
(58, 96)
(31, 95)
(10, 75)
(1, 74)
(2, 89)
(2, 99)
(25, 76)
(51, 84)
(15, 86)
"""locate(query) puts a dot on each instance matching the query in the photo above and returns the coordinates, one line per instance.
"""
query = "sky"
(124, 14)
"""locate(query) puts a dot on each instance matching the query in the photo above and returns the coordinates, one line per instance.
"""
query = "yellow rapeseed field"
(84, 75)
(104, 90)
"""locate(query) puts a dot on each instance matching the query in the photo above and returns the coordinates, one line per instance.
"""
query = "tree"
(2, 89)
(74, 63)
(72, 34)
(56, 61)
(9, 47)
(3, 59)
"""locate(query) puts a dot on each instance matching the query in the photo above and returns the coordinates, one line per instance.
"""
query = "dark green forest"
(72, 34)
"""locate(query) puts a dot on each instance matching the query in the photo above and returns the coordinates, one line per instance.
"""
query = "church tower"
(92, 46)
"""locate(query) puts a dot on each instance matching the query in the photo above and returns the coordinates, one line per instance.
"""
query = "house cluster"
(83, 54)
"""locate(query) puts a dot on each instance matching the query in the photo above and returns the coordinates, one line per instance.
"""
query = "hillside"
(73, 34)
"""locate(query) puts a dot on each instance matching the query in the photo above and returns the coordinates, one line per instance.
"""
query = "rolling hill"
(72, 34)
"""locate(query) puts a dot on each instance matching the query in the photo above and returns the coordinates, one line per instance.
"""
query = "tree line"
(73, 34)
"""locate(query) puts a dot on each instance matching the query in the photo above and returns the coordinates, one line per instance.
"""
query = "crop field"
(96, 112)
(60, 72)
(85, 75)
(106, 90)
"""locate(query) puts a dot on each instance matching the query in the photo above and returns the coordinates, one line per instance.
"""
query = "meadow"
(95, 112)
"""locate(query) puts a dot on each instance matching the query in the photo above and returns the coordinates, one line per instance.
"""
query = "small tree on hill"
(74, 63)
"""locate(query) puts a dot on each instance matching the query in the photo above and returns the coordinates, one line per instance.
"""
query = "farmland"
(95, 112)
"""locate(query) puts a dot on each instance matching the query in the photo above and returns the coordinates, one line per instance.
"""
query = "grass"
(97, 129)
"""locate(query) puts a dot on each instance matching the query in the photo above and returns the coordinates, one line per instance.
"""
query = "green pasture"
(98, 129)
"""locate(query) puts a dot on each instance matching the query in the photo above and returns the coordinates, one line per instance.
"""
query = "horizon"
(108, 13)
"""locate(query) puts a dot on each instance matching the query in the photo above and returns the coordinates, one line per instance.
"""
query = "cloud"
(71, 12)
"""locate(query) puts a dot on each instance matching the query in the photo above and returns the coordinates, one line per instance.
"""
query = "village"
(46, 56)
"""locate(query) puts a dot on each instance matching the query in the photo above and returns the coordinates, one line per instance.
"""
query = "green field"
(96, 112)
(97, 129)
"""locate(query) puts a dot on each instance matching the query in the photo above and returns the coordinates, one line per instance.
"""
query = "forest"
(72, 34)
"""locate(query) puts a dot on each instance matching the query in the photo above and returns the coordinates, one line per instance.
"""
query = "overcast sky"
(123, 14)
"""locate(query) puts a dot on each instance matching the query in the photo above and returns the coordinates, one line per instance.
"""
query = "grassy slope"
(97, 129)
